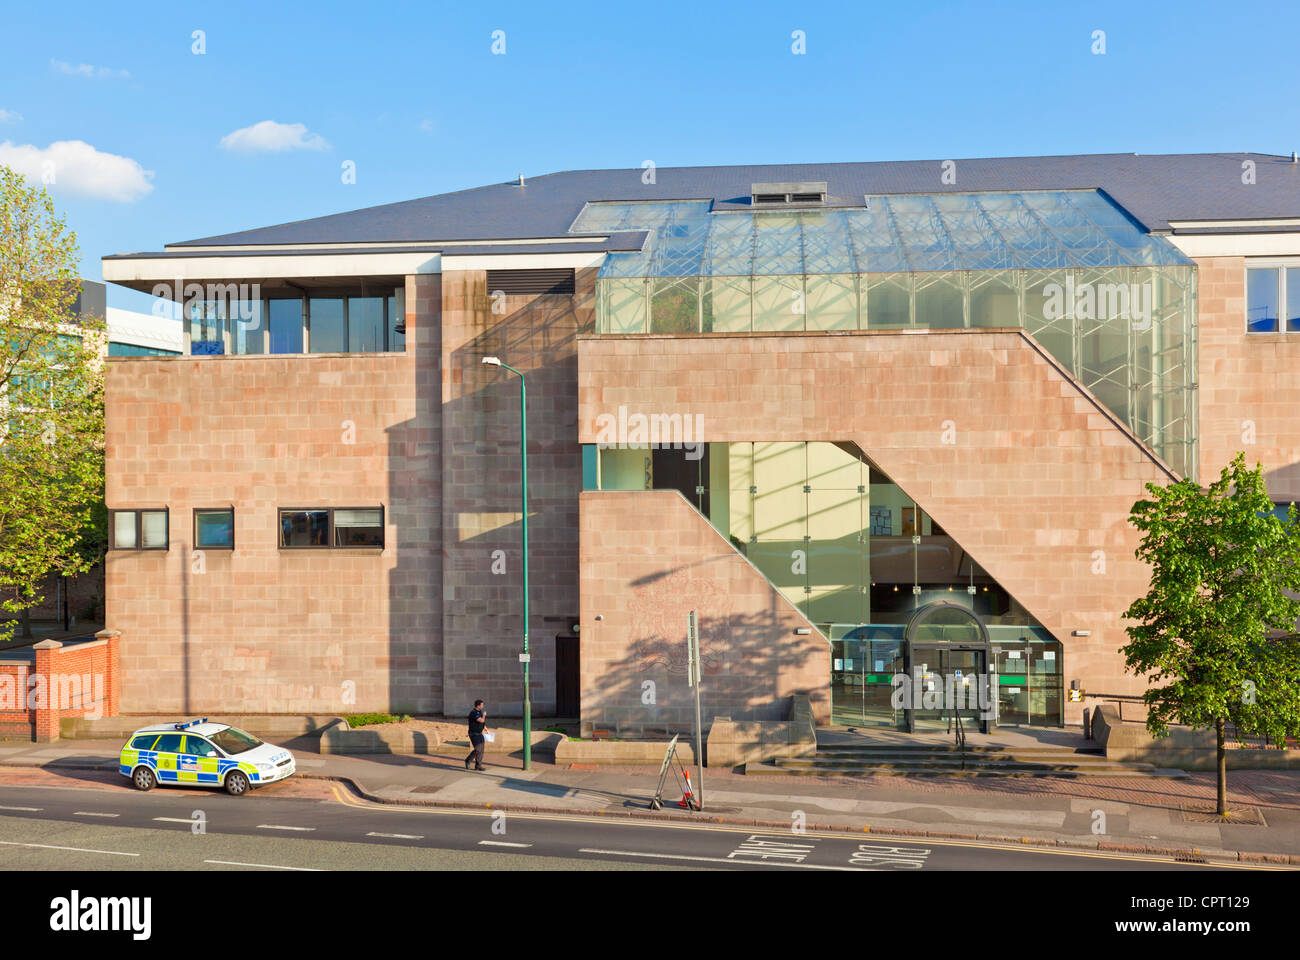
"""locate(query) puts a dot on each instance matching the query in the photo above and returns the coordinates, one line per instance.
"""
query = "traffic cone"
(688, 798)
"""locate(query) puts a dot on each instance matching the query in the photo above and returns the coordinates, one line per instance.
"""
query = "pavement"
(1154, 815)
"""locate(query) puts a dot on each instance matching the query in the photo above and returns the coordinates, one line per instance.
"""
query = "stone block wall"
(648, 558)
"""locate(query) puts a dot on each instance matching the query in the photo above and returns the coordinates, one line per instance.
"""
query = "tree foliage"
(51, 403)
(1215, 633)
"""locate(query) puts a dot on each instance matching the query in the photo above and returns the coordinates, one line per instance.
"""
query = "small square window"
(214, 529)
(1263, 296)
(139, 530)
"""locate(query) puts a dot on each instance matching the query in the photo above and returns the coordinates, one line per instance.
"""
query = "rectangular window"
(327, 331)
(397, 320)
(125, 536)
(365, 325)
(247, 327)
(359, 528)
(214, 529)
(1263, 297)
(139, 529)
(207, 326)
(284, 325)
(330, 527)
(304, 528)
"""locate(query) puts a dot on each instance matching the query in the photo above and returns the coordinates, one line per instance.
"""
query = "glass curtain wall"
(1113, 304)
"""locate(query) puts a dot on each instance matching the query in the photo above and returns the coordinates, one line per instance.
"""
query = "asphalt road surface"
(109, 826)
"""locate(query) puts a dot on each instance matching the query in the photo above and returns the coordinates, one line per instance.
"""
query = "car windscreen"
(234, 740)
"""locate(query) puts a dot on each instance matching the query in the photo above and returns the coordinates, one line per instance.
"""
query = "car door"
(167, 753)
(137, 750)
(200, 761)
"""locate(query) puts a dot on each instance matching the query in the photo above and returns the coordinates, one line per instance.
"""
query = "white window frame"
(1282, 265)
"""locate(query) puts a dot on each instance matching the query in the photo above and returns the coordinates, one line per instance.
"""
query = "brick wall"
(78, 679)
(1037, 484)
(482, 617)
(648, 558)
(14, 713)
(1250, 393)
(259, 629)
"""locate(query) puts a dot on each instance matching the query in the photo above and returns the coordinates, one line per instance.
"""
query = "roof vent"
(801, 191)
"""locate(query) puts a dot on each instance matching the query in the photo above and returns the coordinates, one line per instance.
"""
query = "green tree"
(51, 403)
(1215, 633)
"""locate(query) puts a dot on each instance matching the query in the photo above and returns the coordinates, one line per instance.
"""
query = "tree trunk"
(27, 624)
(1222, 768)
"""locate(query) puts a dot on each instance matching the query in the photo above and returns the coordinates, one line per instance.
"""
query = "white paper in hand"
(489, 737)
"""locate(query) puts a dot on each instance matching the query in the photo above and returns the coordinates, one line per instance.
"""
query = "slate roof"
(1153, 189)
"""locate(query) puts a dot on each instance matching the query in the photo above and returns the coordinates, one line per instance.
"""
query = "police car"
(201, 754)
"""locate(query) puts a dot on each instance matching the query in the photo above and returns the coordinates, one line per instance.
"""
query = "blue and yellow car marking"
(182, 768)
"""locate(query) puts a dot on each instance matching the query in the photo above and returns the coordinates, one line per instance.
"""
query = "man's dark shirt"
(476, 723)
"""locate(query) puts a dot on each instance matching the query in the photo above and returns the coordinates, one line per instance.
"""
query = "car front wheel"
(144, 779)
(236, 783)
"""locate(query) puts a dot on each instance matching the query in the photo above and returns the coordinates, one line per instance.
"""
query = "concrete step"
(772, 770)
(939, 748)
(866, 756)
(947, 763)
(948, 760)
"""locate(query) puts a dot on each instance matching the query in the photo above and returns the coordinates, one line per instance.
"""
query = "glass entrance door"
(950, 684)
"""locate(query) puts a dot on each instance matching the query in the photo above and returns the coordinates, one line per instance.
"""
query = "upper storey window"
(324, 322)
(1273, 299)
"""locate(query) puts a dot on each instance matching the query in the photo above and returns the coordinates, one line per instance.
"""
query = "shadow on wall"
(482, 623)
(752, 659)
(1283, 483)
(414, 664)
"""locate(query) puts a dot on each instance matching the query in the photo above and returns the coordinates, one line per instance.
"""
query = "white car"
(199, 753)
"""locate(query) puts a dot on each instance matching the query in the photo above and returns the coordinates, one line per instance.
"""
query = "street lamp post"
(523, 472)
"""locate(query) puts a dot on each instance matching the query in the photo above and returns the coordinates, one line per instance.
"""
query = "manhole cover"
(1204, 813)
(425, 789)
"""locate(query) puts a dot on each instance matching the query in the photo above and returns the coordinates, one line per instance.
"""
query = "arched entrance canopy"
(945, 644)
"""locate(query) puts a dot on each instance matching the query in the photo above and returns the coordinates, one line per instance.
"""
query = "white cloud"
(77, 167)
(426, 125)
(271, 137)
(9, 116)
(87, 70)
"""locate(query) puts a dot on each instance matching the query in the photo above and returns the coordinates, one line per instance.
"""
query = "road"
(92, 822)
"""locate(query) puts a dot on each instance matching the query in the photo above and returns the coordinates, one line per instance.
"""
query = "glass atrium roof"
(890, 234)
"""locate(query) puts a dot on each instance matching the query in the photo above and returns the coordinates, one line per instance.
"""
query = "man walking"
(477, 721)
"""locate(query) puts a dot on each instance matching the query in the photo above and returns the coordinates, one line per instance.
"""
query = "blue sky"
(413, 95)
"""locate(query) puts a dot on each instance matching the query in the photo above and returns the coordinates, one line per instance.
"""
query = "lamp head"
(494, 361)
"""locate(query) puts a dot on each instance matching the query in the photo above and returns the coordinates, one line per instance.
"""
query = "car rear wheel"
(144, 778)
(237, 783)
